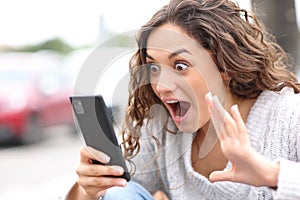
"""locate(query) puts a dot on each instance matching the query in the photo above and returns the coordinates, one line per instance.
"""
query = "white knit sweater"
(274, 129)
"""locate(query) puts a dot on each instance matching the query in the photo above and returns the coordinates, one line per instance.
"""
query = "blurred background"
(43, 47)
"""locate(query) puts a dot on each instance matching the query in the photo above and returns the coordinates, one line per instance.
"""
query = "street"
(44, 170)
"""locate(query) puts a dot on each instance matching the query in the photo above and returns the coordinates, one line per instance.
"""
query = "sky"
(29, 21)
(77, 22)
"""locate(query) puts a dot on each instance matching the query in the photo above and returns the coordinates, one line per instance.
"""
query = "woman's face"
(181, 73)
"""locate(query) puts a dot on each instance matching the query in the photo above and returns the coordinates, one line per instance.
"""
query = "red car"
(31, 100)
(55, 109)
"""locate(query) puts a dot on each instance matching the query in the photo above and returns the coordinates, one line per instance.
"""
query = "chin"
(187, 128)
(190, 126)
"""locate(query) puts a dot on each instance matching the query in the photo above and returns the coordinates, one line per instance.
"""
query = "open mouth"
(178, 108)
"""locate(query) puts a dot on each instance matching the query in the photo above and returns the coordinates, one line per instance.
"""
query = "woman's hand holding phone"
(102, 164)
(94, 179)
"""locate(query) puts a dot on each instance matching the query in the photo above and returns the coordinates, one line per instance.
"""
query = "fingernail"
(118, 169)
(215, 99)
(98, 155)
(102, 157)
(122, 182)
(235, 108)
(208, 96)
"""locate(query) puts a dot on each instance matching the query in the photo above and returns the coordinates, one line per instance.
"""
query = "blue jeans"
(133, 191)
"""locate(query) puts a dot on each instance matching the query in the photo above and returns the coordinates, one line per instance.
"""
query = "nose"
(165, 82)
(161, 88)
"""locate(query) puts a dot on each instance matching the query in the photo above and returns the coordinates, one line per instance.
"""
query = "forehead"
(170, 37)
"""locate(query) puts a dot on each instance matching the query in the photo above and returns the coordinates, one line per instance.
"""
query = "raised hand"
(247, 166)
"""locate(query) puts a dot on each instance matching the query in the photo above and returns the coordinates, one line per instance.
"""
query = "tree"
(55, 44)
(279, 17)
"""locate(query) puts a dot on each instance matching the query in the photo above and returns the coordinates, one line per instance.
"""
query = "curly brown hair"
(237, 42)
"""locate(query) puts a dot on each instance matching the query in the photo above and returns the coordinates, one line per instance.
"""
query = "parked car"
(55, 87)
(32, 98)
(19, 105)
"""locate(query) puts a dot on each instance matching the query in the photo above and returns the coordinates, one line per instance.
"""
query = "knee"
(132, 191)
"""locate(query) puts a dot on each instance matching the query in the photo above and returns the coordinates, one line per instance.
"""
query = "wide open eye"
(154, 69)
(180, 66)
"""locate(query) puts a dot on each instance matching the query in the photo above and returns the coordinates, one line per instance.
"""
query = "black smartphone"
(91, 117)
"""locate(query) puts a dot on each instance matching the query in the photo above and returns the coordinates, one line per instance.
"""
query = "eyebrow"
(175, 53)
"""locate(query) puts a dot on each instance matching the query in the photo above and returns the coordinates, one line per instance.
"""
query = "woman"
(190, 48)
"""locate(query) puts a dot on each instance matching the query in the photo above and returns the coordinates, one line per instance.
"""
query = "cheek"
(200, 88)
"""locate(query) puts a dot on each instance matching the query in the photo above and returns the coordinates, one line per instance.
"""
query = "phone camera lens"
(78, 107)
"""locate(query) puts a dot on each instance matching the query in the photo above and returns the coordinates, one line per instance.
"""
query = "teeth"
(172, 101)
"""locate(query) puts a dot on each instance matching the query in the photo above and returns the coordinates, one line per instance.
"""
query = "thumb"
(221, 176)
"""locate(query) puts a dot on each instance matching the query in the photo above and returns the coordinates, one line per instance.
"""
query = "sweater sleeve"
(289, 175)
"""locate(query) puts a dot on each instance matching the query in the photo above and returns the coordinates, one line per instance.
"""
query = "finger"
(238, 119)
(99, 170)
(229, 124)
(101, 183)
(94, 192)
(230, 127)
(221, 176)
(225, 123)
(218, 109)
(208, 99)
(213, 115)
(88, 153)
(218, 126)
(216, 117)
